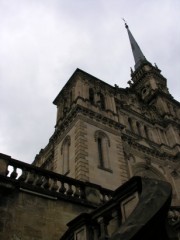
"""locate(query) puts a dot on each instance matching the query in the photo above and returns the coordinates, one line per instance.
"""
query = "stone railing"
(48, 184)
(137, 210)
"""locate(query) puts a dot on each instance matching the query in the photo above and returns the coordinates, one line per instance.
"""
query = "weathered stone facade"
(116, 133)
(104, 135)
(25, 216)
(38, 204)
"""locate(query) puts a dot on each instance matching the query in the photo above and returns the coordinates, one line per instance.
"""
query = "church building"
(113, 149)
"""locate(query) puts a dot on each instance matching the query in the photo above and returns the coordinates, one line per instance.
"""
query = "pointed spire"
(137, 53)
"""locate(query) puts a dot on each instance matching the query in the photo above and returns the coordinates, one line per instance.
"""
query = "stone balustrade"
(48, 184)
(128, 215)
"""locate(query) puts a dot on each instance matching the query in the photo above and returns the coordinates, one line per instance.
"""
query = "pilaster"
(123, 165)
(81, 152)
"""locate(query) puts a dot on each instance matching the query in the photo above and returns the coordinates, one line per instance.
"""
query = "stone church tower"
(106, 134)
(106, 138)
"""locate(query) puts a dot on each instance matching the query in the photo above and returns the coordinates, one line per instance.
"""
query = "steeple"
(146, 80)
(137, 53)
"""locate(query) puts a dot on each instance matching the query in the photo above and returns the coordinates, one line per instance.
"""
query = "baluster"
(103, 229)
(30, 178)
(82, 192)
(109, 197)
(77, 192)
(46, 184)
(36, 179)
(50, 182)
(69, 191)
(23, 176)
(39, 181)
(106, 198)
(54, 186)
(14, 173)
(6, 173)
(42, 181)
(103, 199)
(62, 188)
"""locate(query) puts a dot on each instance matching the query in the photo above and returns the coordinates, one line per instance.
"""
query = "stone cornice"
(78, 109)
(127, 109)
(152, 122)
(167, 96)
(84, 76)
(157, 93)
(154, 152)
(168, 122)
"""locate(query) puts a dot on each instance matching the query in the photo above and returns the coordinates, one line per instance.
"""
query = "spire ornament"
(126, 26)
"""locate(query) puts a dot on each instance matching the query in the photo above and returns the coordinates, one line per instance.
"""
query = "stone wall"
(24, 216)
(37, 204)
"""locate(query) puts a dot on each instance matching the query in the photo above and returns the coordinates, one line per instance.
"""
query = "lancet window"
(103, 144)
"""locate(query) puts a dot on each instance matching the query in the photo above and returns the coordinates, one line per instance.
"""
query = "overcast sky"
(42, 42)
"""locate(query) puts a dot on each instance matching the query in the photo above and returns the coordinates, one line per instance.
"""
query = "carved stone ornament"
(174, 218)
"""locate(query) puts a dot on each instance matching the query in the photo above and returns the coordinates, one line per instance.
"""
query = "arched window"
(102, 101)
(91, 95)
(100, 152)
(65, 154)
(103, 145)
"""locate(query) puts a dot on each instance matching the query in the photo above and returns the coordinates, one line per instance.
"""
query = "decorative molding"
(153, 152)
(101, 134)
(174, 218)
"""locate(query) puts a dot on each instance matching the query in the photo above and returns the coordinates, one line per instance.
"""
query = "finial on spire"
(126, 26)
